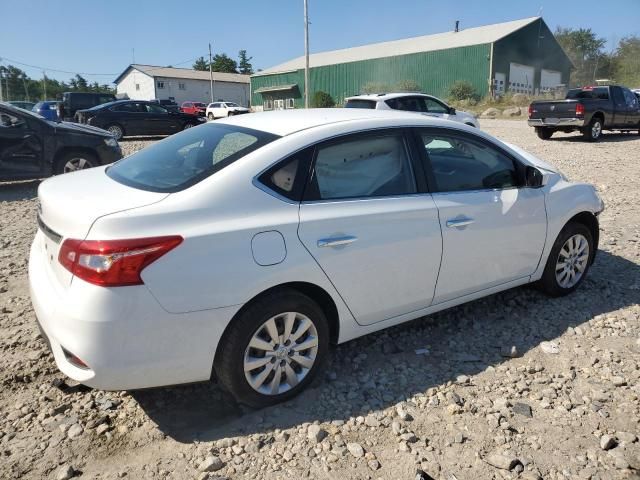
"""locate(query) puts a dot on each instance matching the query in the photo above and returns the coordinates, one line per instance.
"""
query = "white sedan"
(244, 248)
(427, 105)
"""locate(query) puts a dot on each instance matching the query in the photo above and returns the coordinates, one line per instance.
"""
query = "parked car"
(21, 104)
(413, 102)
(194, 108)
(74, 101)
(224, 109)
(170, 105)
(309, 227)
(48, 109)
(33, 147)
(589, 110)
(136, 117)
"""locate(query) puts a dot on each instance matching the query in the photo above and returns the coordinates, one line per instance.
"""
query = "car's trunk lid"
(69, 205)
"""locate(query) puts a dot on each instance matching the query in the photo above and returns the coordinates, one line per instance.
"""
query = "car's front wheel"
(188, 125)
(569, 260)
(210, 116)
(273, 348)
(73, 161)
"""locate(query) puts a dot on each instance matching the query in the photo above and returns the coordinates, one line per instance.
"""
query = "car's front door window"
(433, 106)
(461, 164)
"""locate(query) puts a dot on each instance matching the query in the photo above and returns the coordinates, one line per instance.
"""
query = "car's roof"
(286, 122)
(387, 96)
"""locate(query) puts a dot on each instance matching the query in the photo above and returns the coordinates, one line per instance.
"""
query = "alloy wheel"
(596, 129)
(76, 163)
(572, 261)
(281, 353)
(116, 131)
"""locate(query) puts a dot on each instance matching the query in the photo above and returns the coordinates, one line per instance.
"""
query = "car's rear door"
(493, 229)
(368, 221)
(620, 105)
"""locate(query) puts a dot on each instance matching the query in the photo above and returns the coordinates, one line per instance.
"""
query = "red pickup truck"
(194, 108)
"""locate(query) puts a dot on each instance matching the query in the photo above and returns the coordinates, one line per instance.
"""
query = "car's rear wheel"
(116, 130)
(569, 260)
(544, 133)
(273, 349)
(210, 116)
(188, 125)
(593, 131)
(74, 161)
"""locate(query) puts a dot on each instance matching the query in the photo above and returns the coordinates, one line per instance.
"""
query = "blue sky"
(86, 36)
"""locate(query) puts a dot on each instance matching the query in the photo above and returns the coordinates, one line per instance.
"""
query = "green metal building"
(521, 56)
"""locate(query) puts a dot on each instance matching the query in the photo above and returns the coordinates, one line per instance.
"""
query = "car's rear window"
(601, 93)
(360, 104)
(186, 158)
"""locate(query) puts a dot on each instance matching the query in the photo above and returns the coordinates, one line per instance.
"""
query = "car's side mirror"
(452, 111)
(533, 177)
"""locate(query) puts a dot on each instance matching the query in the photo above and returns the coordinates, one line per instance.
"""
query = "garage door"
(521, 78)
(549, 79)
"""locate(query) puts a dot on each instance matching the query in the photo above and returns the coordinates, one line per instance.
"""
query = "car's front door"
(21, 146)
(493, 228)
(371, 228)
(620, 106)
(159, 120)
(632, 118)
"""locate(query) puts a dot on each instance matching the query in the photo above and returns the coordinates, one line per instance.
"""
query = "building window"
(181, 86)
(160, 84)
(290, 103)
(137, 86)
(268, 104)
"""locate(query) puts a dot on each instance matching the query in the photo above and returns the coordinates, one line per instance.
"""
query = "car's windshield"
(360, 104)
(186, 158)
(231, 104)
(31, 113)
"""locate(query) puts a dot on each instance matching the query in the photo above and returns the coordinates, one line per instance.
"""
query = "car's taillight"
(113, 263)
(531, 110)
(579, 109)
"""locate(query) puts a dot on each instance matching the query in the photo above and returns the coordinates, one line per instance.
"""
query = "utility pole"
(306, 55)
(1, 97)
(211, 73)
(44, 84)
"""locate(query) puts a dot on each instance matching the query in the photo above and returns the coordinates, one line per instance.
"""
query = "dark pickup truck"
(589, 110)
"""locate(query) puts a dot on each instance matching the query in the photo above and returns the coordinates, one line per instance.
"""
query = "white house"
(148, 82)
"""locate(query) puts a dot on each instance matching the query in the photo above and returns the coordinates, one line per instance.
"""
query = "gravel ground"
(516, 385)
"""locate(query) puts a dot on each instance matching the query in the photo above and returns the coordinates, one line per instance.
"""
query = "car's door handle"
(459, 222)
(336, 241)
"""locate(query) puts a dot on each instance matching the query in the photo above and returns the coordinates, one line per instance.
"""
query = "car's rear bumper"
(556, 122)
(122, 334)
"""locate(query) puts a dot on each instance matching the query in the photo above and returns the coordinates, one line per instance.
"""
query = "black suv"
(33, 147)
(137, 117)
(74, 101)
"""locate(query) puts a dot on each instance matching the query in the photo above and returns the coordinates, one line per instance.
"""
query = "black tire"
(544, 133)
(210, 116)
(229, 362)
(74, 161)
(188, 125)
(116, 130)
(593, 131)
(549, 282)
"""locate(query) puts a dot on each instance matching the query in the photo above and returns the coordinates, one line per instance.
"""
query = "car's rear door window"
(368, 165)
(186, 158)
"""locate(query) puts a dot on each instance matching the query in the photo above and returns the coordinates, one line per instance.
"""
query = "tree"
(585, 49)
(407, 86)
(625, 61)
(244, 65)
(322, 100)
(201, 64)
(223, 63)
